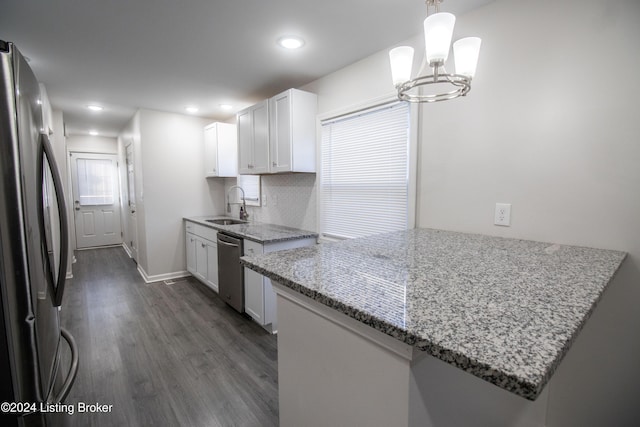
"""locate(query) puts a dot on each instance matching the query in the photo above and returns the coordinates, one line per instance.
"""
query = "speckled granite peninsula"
(504, 310)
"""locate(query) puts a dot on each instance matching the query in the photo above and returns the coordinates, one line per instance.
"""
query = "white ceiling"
(167, 54)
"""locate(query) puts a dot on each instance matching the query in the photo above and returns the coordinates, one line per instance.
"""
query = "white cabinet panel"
(261, 138)
(292, 139)
(201, 260)
(202, 253)
(253, 286)
(280, 108)
(253, 139)
(278, 134)
(191, 253)
(259, 296)
(212, 265)
(245, 141)
(220, 150)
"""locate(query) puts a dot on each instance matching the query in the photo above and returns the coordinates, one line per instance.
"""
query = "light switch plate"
(503, 214)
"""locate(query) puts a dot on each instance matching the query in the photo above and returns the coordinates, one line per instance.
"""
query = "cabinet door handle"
(274, 164)
(203, 245)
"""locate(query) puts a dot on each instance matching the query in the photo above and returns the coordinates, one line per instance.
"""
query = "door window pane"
(95, 182)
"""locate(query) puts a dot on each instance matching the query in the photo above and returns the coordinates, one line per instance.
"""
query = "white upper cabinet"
(220, 150)
(292, 132)
(278, 135)
(253, 139)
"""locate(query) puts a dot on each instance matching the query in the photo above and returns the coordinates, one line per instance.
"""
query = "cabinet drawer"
(252, 248)
(202, 231)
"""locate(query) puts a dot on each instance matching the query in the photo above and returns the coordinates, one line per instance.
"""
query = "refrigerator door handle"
(47, 151)
(73, 370)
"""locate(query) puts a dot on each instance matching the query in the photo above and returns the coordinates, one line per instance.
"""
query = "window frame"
(414, 112)
(250, 200)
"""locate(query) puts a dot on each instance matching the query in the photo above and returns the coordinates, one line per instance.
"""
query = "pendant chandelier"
(438, 30)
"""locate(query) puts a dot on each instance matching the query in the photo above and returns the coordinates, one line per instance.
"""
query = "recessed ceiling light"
(191, 109)
(291, 42)
(226, 107)
(95, 107)
(93, 132)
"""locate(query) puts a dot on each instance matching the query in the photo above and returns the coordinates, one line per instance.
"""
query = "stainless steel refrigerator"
(33, 256)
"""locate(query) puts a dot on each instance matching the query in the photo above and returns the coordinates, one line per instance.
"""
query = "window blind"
(95, 182)
(365, 172)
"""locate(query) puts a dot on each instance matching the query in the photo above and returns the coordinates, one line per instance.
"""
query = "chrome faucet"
(244, 215)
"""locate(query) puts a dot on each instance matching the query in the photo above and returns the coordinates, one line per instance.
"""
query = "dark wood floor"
(164, 355)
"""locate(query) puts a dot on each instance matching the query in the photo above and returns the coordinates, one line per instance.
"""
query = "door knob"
(77, 208)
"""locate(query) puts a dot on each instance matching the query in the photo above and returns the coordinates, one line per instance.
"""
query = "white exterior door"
(96, 199)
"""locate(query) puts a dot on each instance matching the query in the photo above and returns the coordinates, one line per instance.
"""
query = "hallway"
(164, 355)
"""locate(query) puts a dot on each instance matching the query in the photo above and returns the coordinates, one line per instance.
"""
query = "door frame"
(130, 218)
(72, 206)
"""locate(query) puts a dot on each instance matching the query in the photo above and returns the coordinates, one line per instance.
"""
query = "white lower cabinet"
(202, 253)
(259, 297)
(191, 253)
(254, 289)
(212, 265)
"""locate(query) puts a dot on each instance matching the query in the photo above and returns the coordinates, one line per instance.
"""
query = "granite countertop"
(504, 310)
(256, 231)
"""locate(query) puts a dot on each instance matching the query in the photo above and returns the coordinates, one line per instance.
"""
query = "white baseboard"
(161, 277)
(127, 250)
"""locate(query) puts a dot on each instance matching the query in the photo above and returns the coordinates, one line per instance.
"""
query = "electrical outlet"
(503, 214)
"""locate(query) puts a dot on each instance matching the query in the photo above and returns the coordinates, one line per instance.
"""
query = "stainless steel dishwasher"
(230, 271)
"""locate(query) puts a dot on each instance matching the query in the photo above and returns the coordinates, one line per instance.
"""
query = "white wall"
(170, 185)
(130, 134)
(92, 144)
(551, 126)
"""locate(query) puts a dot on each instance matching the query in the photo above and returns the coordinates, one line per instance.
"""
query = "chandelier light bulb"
(401, 59)
(438, 29)
(465, 53)
(439, 85)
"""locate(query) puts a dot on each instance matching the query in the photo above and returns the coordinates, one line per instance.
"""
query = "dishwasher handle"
(225, 239)
(222, 242)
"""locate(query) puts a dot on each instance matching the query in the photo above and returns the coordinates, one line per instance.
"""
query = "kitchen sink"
(226, 221)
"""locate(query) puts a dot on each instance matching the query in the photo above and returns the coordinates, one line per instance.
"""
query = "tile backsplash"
(289, 200)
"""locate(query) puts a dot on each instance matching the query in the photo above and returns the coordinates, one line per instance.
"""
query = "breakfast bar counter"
(505, 311)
